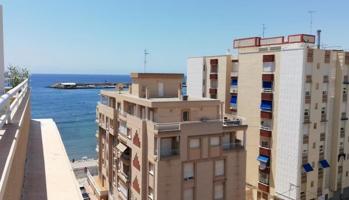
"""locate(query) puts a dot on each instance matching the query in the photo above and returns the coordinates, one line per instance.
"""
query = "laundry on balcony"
(324, 163)
(266, 105)
(307, 167)
(121, 147)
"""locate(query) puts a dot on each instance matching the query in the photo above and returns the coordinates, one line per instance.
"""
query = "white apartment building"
(294, 98)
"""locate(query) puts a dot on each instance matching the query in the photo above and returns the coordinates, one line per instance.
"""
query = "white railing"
(10, 101)
(167, 127)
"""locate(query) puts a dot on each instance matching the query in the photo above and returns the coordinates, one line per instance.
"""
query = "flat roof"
(48, 173)
(157, 75)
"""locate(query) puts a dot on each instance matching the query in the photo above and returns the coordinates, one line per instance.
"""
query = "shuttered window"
(219, 167)
(188, 171)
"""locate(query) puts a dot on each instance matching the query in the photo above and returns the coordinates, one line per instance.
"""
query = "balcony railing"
(163, 127)
(14, 109)
(233, 145)
(165, 153)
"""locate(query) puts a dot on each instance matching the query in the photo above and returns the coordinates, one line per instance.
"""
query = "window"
(188, 171)
(151, 169)
(327, 56)
(310, 55)
(325, 79)
(314, 145)
(218, 191)
(188, 194)
(219, 168)
(315, 125)
(214, 141)
(194, 143)
(185, 116)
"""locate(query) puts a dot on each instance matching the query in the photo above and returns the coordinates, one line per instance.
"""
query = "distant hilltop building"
(294, 97)
(154, 143)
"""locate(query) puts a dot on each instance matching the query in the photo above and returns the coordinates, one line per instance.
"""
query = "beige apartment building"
(155, 143)
(293, 96)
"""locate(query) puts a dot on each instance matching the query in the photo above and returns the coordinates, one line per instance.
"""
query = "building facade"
(294, 99)
(155, 143)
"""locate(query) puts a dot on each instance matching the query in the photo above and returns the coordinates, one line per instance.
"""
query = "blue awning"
(263, 159)
(266, 105)
(324, 163)
(233, 99)
(267, 85)
(234, 82)
(307, 167)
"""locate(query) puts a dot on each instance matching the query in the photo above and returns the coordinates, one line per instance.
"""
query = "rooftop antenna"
(263, 29)
(145, 59)
(311, 12)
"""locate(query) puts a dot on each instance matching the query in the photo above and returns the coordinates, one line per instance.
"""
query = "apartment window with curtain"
(188, 194)
(188, 171)
(194, 143)
(214, 141)
(219, 168)
(218, 191)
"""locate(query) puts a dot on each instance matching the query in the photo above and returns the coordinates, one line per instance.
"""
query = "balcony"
(307, 99)
(124, 176)
(238, 121)
(232, 145)
(344, 116)
(123, 190)
(168, 153)
(308, 79)
(268, 67)
(233, 89)
(306, 119)
(266, 106)
(305, 139)
(123, 130)
(167, 127)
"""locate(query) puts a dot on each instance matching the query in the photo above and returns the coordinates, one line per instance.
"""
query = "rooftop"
(157, 75)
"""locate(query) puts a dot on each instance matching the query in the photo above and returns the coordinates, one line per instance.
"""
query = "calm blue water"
(72, 110)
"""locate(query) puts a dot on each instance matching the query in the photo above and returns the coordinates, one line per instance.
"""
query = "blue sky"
(108, 37)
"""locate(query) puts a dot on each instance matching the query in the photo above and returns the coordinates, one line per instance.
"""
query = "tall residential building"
(293, 96)
(154, 143)
(206, 79)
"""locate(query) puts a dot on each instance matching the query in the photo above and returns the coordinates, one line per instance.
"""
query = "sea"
(74, 110)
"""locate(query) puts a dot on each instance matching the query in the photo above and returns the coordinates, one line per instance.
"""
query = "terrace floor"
(48, 173)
